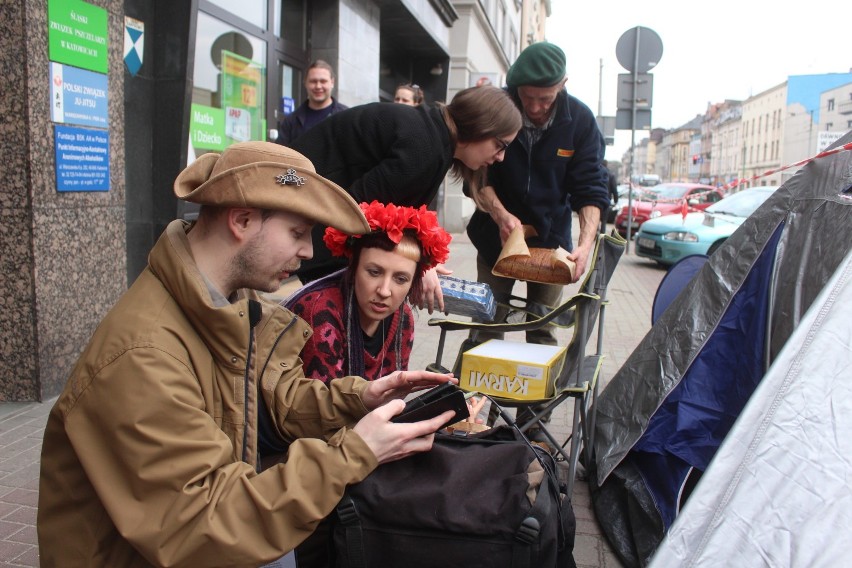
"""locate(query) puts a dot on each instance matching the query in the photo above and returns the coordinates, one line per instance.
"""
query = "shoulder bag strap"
(347, 514)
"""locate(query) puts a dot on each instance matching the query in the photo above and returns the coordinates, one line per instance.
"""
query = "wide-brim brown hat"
(264, 175)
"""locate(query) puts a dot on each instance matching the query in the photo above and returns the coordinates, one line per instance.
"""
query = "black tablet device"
(433, 402)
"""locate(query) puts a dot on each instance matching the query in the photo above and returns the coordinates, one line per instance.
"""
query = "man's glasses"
(502, 145)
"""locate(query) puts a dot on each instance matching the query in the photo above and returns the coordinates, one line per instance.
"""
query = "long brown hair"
(479, 113)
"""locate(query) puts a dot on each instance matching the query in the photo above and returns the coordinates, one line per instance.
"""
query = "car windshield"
(670, 191)
(741, 204)
(641, 194)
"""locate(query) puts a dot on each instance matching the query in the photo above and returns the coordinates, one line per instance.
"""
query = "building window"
(229, 86)
(253, 11)
(830, 104)
(291, 14)
(829, 126)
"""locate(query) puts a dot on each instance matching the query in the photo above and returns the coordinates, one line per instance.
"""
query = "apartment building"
(835, 115)
(726, 153)
(674, 157)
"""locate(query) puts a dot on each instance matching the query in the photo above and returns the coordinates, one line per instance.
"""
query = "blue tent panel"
(696, 416)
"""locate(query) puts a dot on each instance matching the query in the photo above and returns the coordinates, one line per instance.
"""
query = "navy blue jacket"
(542, 185)
(293, 124)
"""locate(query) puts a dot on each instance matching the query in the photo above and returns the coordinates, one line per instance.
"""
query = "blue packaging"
(468, 298)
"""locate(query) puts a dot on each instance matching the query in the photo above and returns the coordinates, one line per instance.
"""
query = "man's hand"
(390, 441)
(400, 384)
(590, 221)
(432, 297)
(580, 256)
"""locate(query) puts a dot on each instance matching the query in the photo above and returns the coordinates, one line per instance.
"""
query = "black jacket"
(542, 185)
(379, 151)
(293, 124)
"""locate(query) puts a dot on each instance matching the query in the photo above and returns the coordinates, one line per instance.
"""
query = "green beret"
(540, 65)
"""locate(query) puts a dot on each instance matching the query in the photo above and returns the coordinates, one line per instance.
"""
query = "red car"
(668, 198)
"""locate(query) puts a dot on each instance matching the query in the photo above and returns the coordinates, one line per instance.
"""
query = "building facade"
(760, 140)
(198, 76)
(726, 149)
(677, 151)
(835, 112)
(483, 44)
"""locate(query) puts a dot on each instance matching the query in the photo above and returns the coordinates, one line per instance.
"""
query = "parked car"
(668, 198)
(669, 238)
(639, 193)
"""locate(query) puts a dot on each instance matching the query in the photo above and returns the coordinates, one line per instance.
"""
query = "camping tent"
(664, 415)
(779, 490)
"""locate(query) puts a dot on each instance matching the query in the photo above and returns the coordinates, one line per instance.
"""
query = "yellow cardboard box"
(507, 369)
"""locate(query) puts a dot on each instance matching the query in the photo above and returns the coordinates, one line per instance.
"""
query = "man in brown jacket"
(151, 453)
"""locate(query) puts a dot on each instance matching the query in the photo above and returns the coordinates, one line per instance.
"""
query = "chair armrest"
(455, 325)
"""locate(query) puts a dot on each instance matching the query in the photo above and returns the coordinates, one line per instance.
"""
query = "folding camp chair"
(578, 377)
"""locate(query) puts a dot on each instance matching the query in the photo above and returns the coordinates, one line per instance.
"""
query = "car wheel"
(714, 247)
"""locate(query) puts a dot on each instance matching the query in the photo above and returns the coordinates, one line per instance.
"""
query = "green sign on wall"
(207, 128)
(77, 34)
(243, 90)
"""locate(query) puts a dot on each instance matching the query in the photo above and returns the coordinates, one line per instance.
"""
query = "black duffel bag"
(483, 500)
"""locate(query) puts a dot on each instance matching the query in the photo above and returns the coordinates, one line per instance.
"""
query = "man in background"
(319, 83)
(612, 187)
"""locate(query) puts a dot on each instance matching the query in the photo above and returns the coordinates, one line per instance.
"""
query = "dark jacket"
(542, 185)
(388, 152)
(612, 184)
(293, 124)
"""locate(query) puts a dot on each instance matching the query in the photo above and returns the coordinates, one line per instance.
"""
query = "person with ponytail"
(394, 153)
(361, 316)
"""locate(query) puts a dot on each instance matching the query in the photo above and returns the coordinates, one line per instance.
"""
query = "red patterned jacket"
(321, 304)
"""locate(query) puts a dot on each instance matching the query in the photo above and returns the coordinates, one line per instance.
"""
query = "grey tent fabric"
(815, 209)
(779, 490)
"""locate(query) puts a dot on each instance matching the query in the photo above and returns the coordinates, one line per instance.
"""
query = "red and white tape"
(736, 182)
(683, 200)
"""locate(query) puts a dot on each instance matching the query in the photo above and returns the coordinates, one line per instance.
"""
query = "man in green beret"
(553, 168)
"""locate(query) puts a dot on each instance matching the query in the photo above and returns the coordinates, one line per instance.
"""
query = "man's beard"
(247, 269)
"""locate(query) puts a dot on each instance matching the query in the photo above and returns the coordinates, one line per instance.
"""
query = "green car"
(669, 238)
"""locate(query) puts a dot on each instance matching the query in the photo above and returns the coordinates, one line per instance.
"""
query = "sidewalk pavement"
(627, 320)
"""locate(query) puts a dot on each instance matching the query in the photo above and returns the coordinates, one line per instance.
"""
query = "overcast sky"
(712, 51)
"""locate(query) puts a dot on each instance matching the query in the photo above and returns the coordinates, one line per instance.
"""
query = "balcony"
(844, 107)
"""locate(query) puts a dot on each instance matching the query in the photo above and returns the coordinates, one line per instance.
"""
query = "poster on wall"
(207, 128)
(78, 96)
(77, 34)
(243, 91)
(82, 158)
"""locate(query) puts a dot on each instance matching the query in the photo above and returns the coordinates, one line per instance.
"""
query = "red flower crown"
(394, 220)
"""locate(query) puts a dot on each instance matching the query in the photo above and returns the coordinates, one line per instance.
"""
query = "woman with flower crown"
(362, 322)
(400, 154)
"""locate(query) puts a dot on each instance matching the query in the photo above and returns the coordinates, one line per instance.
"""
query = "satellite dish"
(639, 49)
